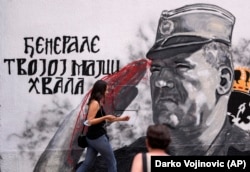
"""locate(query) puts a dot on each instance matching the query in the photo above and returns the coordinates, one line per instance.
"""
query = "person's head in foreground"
(157, 142)
(157, 137)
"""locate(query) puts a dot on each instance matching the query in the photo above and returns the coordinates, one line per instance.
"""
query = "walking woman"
(97, 135)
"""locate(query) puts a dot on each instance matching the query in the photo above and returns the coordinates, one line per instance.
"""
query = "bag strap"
(144, 162)
(84, 125)
(83, 129)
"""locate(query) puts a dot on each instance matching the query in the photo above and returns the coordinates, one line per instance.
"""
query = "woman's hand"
(125, 118)
(112, 118)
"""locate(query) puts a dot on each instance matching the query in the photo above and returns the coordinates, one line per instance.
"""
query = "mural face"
(181, 96)
(180, 91)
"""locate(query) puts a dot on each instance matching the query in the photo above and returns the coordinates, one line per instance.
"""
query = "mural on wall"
(188, 51)
(190, 77)
(191, 81)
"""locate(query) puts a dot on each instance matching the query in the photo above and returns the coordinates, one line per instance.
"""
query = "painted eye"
(155, 69)
(183, 67)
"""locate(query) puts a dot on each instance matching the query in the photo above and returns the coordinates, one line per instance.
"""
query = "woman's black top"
(97, 130)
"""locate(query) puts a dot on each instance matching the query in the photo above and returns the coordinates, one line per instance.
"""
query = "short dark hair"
(158, 136)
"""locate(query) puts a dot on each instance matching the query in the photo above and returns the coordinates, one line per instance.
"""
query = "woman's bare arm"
(93, 109)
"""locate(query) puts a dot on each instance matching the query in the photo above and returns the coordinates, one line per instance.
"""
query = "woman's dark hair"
(158, 136)
(98, 91)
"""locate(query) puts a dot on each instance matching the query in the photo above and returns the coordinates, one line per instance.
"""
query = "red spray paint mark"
(131, 75)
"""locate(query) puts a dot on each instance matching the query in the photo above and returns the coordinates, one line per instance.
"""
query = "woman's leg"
(89, 159)
(103, 146)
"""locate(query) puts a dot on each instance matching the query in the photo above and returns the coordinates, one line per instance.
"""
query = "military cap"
(189, 27)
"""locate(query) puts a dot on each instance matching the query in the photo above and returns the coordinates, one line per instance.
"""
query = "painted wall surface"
(53, 51)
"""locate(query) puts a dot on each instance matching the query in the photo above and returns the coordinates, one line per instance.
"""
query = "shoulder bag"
(82, 142)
